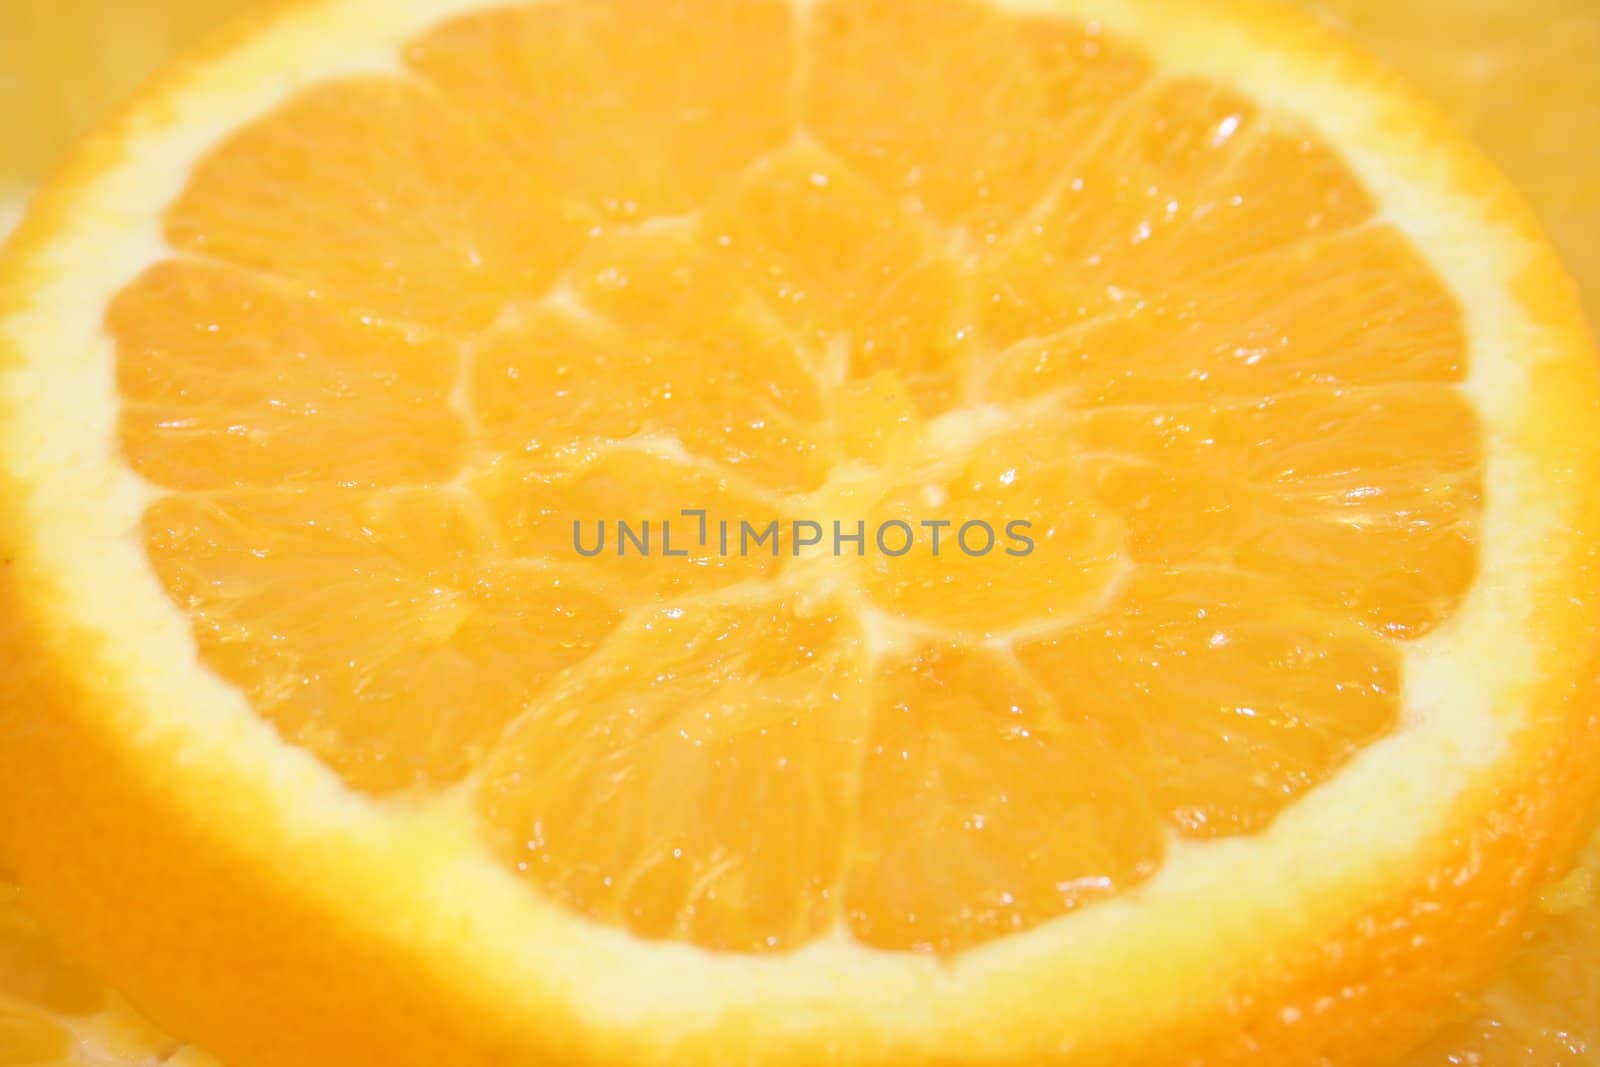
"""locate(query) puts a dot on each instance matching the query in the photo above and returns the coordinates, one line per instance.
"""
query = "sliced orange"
(1250, 731)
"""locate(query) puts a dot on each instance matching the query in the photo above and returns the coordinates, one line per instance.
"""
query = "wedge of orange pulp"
(401, 331)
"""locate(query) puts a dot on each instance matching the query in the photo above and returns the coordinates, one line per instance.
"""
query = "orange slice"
(1257, 419)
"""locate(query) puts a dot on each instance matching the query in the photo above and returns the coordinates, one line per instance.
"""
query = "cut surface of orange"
(322, 359)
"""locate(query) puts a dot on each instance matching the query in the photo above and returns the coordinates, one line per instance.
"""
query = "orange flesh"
(1160, 325)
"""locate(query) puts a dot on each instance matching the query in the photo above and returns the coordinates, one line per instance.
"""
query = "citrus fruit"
(1255, 738)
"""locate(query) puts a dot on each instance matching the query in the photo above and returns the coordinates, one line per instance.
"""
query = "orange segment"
(1186, 179)
(1365, 498)
(1171, 677)
(1084, 75)
(642, 792)
(848, 270)
(984, 811)
(700, 355)
(554, 377)
(1305, 316)
(455, 639)
(638, 107)
(895, 99)
(349, 400)
(425, 194)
